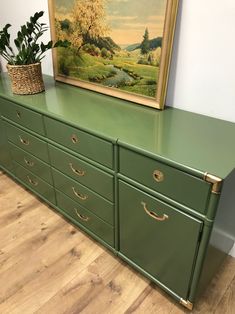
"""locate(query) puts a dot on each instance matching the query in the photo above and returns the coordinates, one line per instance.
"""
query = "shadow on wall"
(175, 51)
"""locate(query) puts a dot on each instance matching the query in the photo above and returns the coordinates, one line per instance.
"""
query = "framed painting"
(118, 47)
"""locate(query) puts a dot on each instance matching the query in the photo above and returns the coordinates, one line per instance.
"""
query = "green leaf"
(62, 43)
(20, 37)
(49, 44)
(5, 28)
(17, 43)
(37, 15)
(24, 30)
(43, 47)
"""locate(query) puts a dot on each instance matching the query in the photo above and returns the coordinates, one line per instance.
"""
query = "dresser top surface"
(192, 140)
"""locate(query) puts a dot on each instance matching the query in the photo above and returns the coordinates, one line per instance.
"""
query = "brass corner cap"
(216, 182)
(187, 304)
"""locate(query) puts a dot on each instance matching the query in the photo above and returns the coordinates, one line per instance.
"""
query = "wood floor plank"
(84, 288)
(227, 303)
(11, 256)
(119, 292)
(152, 300)
(22, 225)
(10, 199)
(49, 266)
(45, 250)
(49, 276)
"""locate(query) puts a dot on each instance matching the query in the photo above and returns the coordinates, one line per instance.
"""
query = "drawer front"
(81, 142)
(84, 196)
(33, 164)
(35, 183)
(181, 187)
(157, 237)
(86, 218)
(93, 178)
(27, 142)
(25, 117)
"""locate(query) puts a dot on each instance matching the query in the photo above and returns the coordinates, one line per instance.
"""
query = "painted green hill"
(104, 42)
(153, 44)
(132, 47)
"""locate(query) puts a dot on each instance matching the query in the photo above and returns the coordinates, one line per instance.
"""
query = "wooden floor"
(49, 266)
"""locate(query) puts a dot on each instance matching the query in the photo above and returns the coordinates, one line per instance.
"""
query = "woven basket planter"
(26, 79)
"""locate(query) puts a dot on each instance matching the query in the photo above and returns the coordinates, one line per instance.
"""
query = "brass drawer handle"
(23, 141)
(18, 114)
(78, 172)
(35, 183)
(158, 175)
(82, 217)
(82, 197)
(154, 215)
(28, 163)
(74, 138)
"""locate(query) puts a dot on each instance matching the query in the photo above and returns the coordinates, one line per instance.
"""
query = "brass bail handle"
(82, 217)
(78, 172)
(18, 114)
(28, 162)
(35, 183)
(23, 141)
(80, 196)
(154, 215)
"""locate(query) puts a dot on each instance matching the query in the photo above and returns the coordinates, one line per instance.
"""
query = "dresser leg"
(186, 304)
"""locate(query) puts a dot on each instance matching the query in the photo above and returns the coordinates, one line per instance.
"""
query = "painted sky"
(128, 19)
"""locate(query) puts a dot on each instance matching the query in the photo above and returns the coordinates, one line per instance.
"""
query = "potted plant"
(24, 64)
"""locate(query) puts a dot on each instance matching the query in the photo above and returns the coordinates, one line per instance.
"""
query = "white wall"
(202, 76)
(17, 13)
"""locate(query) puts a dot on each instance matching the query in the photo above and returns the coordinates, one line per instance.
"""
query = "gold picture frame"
(111, 50)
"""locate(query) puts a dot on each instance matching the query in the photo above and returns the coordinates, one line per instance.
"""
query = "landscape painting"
(118, 47)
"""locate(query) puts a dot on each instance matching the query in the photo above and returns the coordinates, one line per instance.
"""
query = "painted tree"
(88, 21)
(145, 45)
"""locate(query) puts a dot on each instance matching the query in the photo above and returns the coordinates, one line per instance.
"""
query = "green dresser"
(155, 187)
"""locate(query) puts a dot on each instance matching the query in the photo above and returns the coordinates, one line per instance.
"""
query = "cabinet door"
(158, 238)
(5, 158)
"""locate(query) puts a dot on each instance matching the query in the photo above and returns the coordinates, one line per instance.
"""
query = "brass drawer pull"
(80, 173)
(82, 197)
(28, 163)
(18, 114)
(23, 141)
(74, 138)
(154, 215)
(82, 217)
(158, 175)
(35, 183)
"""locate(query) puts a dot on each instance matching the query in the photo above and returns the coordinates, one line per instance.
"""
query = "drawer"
(86, 218)
(33, 164)
(173, 183)
(35, 183)
(25, 117)
(84, 196)
(81, 142)
(86, 174)
(28, 142)
(158, 238)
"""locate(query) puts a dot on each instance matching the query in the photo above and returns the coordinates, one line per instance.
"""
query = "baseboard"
(232, 252)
